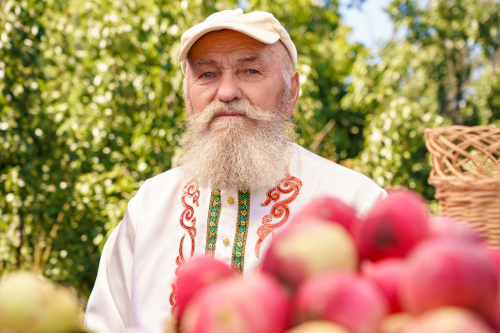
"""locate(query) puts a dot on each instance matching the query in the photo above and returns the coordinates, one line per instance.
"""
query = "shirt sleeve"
(375, 195)
(108, 308)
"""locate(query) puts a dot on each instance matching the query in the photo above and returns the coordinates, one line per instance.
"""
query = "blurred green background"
(91, 106)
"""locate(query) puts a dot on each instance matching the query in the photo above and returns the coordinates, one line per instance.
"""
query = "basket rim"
(461, 128)
(444, 152)
(466, 181)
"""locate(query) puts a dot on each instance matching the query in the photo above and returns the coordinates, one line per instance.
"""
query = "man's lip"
(230, 114)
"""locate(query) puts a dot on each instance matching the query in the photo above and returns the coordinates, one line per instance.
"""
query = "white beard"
(240, 152)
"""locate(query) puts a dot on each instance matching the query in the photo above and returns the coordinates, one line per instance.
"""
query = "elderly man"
(241, 176)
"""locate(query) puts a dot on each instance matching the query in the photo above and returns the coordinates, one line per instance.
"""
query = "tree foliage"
(91, 106)
(441, 68)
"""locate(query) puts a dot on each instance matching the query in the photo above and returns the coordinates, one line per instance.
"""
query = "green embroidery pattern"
(240, 238)
(213, 222)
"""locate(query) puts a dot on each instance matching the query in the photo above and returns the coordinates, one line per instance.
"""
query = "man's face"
(237, 136)
(226, 66)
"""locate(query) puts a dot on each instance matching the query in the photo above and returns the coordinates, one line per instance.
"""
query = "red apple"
(386, 274)
(252, 304)
(494, 318)
(347, 299)
(308, 249)
(328, 209)
(449, 320)
(396, 323)
(393, 227)
(195, 275)
(318, 326)
(449, 272)
(444, 226)
(494, 255)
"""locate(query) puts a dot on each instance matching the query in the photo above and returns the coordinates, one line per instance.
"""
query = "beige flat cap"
(261, 26)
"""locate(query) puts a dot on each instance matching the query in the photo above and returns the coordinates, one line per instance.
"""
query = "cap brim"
(264, 36)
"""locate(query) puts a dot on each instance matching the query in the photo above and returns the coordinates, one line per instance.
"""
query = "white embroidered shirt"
(169, 221)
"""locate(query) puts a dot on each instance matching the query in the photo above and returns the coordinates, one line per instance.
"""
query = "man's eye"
(252, 71)
(207, 74)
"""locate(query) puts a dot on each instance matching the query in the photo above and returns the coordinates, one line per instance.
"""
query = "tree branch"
(451, 107)
(465, 78)
(321, 134)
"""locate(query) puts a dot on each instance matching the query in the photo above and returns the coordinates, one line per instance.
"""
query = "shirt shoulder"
(158, 189)
(325, 177)
(329, 169)
(167, 178)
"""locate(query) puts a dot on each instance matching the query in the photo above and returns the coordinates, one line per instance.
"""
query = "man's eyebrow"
(249, 58)
(204, 62)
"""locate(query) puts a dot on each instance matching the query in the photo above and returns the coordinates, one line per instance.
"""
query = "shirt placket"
(227, 225)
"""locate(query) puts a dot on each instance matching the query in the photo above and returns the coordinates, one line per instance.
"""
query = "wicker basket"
(466, 175)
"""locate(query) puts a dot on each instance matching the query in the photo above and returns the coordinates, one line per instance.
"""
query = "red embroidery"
(283, 186)
(173, 299)
(258, 268)
(191, 191)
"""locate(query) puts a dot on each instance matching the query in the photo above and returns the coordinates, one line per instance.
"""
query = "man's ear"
(294, 79)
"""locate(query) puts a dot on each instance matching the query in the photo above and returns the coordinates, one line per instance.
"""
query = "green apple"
(33, 304)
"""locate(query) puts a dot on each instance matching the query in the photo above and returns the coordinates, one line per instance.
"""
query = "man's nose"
(228, 88)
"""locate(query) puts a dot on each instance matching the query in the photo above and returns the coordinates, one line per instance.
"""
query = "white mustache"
(241, 107)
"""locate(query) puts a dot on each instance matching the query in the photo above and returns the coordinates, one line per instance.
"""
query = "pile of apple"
(34, 304)
(396, 270)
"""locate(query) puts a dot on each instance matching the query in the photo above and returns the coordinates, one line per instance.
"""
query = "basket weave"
(466, 175)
